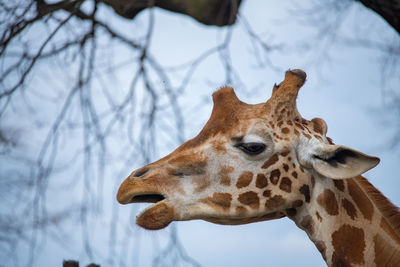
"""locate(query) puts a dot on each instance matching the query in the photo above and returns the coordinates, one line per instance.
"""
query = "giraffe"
(258, 162)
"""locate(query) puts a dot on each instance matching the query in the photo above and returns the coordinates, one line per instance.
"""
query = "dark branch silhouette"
(388, 9)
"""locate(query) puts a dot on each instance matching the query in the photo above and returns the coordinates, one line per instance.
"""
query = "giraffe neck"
(351, 223)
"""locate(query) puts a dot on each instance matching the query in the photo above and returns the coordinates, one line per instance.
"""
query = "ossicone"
(284, 95)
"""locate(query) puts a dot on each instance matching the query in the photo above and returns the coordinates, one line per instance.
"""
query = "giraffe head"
(249, 163)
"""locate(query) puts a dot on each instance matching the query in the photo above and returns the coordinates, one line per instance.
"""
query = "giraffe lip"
(245, 220)
(157, 216)
(137, 191)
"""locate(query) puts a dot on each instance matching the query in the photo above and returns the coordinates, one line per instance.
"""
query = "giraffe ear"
(340, 162)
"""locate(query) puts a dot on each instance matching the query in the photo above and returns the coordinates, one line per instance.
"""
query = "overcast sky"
(345, 91)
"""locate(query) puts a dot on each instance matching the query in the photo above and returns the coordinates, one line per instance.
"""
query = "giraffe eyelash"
(252, 148)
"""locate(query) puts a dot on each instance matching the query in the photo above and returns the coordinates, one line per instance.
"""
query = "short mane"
(389, 211)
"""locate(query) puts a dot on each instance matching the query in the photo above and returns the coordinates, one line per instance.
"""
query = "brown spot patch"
(274, 176)
(339, 184)
(271, 124)
(318, 216)
(250, 198)
(286, 185)
(241, 210)
(321, 248)
(337, 261)
(312, 181)
(305, 190)
(349, 244)
(224, 175)
(244, 179)
(261, 181)
(220, 201)
(285, 152)
(328, 201)
(385, 254)
(307, 135)
(297, 203)
(296, 132)
(349, 208)
(361, 199)
(285, 130)
(277, 136)
(271, 161)
(308, 224)
(285, 167)
(298, 125)
(201, 183)
(275, 202)
(294, 174)
(267, 193)
(318, 137)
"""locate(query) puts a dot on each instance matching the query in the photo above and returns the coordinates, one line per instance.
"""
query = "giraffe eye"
(252, 148)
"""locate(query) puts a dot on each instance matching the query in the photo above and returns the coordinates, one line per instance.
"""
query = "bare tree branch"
(388, 9)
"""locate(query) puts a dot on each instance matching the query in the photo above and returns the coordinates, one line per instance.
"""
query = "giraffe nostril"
(140, 172)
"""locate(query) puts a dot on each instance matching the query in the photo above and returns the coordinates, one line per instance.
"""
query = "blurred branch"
(174, 251)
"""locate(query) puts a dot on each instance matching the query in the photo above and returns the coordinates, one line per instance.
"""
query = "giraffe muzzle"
(154, 217)
(137, 190)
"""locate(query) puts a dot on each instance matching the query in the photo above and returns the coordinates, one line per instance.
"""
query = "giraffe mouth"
(147, 198)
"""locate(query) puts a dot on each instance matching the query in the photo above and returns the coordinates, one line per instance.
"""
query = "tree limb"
(388, 9)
